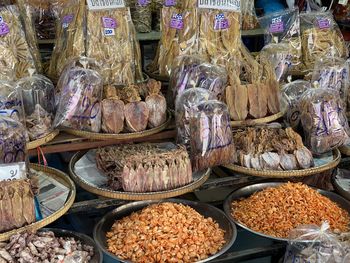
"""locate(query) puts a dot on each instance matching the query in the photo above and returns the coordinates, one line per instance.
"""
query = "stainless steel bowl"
(251, 189)
(206, 210)
(84, 239)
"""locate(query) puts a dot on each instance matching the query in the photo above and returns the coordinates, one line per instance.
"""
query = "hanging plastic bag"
(249, 18)
(79, 103)
(323, 120)
(313, 244)
(38, 98)
(211, 136)
(10, 101)
(141, 11)
(320, 37)
(185, 104)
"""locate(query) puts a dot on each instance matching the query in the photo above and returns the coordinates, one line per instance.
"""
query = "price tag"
(12, 171)
(276, 25)
(4, 28)
(67, 20)
(170, 3)
(233, 5)
(105, 4)
(343, 2)
(143, 2)
(221, 22)
(109, 32)
(109, 22)
(177, 21)
(323, 23)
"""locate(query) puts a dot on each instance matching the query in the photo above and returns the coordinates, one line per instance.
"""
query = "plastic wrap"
(321, 37)
(193, 72)
(10, 101)
(141, 11)
(249, 18)
(313, 244)
(38, 98)
(15, 53)
(284, 26)
(211, 136)
(323, 120)
(291, 95)
(185, 104)
(333, 73)
(280, 56)
(70, 40)
(79, 104)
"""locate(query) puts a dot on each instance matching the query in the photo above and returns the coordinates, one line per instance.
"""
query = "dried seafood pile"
(16, 56)
(271, 149)
(178, 233)
(133, 108)
(42, 247)
(16, 205)
(145, 167)
(275, 211)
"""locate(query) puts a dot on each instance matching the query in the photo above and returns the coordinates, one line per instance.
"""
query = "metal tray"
(206, 210)
(251, 189)
(84, 172)
(86, 240)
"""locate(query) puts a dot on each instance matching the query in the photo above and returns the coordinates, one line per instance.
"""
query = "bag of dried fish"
(280, 56)
(70, 39)
(321, 37)
(10, 101)
(332, 73)
(211, 136)
(145, 168)
(291, 95)
(16, 56)
(79, 103)
(38, 98)
(193, 72)
(141, 12)
(249, 18)
(185, 104)
(284, 26)
(323, 120)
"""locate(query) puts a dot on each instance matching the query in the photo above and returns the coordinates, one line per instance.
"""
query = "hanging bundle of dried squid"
(141, 11)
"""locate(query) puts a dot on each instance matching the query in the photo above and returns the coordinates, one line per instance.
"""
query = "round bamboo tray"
(37, 143)
(63, 179)
(287, 174)
(130, 196)
(155, 75)
(254, 122)
(345, 149)
(121, 136)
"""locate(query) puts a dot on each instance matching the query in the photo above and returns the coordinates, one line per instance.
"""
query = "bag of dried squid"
(320, 37)
(323, 120)
(141, 12)
(211, 137)
(249, 18)
(284, 26)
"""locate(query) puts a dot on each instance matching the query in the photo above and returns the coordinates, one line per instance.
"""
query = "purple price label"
(221, 22)
(276, 27)
(177, 21)
(4, 29)
(109, 22)
(170, 2)
(143, 2)
(323, 23)
(67, 19)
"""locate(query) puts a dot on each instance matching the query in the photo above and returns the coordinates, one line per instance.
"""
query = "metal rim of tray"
(37, 143)
(287, 174)
(229, 225)
(247, 191)
(60, 177)
(130, 196)
(253, 122)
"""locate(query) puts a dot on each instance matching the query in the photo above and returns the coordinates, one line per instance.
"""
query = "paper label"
(323, 23)
(233, 5)
(13, 171)
(4, 28)
(109, 32)
(67, 20)
(105, 4)
(221, 22)
(177, 21)
(109, 22)
(143, 2)
(170, 2)
(276, 25)
(343, 2)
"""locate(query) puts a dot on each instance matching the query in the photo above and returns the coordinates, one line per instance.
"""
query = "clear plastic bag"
(38, 98)
(313, 244)
(249, 18)
(332, 73)
(141, 11)
(193, 72)
(291, 95)
(79, 105)
(185, 104)
(211, 136)
(280, 56)
(284, 26)
(323, 120)
(10, 101)
(321, 37)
